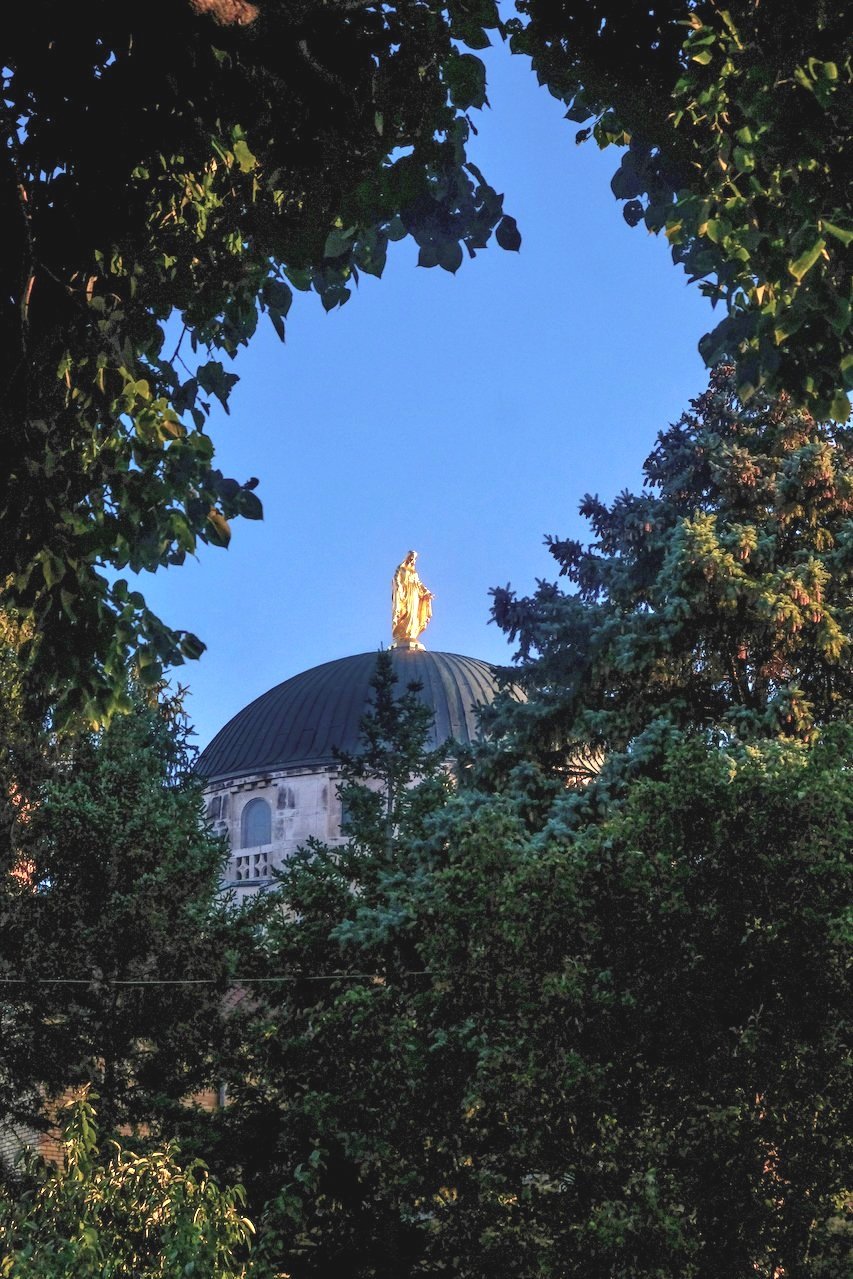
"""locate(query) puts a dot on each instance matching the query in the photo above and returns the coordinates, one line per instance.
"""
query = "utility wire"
(208, 981)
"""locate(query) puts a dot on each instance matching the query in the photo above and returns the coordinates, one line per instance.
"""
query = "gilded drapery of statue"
(411, 602)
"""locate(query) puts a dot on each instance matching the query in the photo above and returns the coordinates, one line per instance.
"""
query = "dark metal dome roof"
(300, 722)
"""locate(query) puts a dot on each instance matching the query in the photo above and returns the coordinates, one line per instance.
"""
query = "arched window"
(256, 824)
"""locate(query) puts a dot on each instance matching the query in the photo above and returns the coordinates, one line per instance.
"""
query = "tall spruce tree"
(325, 1050)
(718, 600)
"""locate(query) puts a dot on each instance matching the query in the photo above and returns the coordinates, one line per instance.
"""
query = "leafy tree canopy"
(197, 160)
(145, 1216)
(738, 147)
(200, 160)
(574, 1048)
(114, 946)
(642, 1017)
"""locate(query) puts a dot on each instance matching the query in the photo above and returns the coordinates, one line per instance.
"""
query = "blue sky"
(461, 416)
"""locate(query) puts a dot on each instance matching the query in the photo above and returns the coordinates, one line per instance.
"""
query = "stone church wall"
(302, 803)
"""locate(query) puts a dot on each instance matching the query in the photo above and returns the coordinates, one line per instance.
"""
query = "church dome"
(298, 724)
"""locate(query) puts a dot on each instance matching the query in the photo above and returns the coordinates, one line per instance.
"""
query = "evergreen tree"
(323, 1051)
(114, 941)
(393, 782)
(718, 600)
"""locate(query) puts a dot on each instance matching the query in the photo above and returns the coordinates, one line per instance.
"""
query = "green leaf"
(450, 256)
(823, 70)
(338, 242)
(507, 234)
(633, 212)
(396, 228)
(53, 569)
(184, 398)
(250, 506)
(244, 156)
(786, 325)
(191, 646)
(151, 673)
(627, 182)
(804, 263)
(278, 296)
(371, 257)
(475, 37)
(715, 229)
(213, 378)
(803, 79)
(332, 295)
(299, 277)
(840, 232)
(465, 77)
(840, 408)
(578, 111)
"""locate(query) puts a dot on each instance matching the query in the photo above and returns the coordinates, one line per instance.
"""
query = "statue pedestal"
(410, 644)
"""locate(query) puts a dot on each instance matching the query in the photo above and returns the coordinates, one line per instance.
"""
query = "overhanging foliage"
(198, 161)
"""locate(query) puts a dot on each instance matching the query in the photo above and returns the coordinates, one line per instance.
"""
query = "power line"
(209, 981)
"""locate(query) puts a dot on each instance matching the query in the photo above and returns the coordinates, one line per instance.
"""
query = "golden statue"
(411, 604)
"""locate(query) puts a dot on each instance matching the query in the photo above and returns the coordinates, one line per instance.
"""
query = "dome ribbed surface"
(302, 721)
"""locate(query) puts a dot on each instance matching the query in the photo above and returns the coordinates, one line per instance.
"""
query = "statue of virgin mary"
(411, 602)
